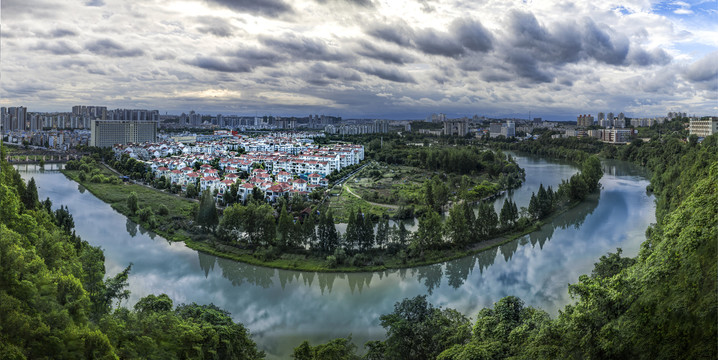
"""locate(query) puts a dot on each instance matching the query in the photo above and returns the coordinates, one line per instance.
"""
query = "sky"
(390, 59)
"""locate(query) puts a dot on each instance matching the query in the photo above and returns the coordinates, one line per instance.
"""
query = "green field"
(180, 209)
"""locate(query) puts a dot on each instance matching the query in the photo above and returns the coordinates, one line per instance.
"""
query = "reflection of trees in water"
(131, 227)
(206, 262)
(458, 271)
(81, 189)
(238, 273)
(431, 275)
(623, 169)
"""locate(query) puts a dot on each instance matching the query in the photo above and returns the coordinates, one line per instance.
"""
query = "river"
(282, 308)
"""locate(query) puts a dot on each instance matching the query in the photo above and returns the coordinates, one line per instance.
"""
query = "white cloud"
(299, 56)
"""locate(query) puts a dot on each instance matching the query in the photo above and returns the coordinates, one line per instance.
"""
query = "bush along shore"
(257, 233)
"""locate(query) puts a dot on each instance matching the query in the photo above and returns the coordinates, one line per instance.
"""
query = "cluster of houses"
(267, 163)
(272, 185)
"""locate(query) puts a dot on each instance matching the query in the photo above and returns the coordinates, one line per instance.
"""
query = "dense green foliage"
(56, 303)
(449, 159)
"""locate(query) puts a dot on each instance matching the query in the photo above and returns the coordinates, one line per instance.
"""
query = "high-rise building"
(106, 133)
(508, 129)
(584, 120)
(458, 127)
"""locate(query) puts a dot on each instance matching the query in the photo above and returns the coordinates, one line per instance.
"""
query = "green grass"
(116, 195)
(344, 203)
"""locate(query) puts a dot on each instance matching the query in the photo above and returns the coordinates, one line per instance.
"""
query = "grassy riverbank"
(181, 212)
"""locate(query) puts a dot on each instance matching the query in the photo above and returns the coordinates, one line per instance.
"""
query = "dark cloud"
(256, 7)
(642, 57)
(241, 60)
(438, 43)
(215, 26)
(302, 48)
(221, 30)
(95, 3)
(526, 66)
(705, 69)
(604, 45)
(256, 57)
(386, 73)
(472, 35)
(464, 35)
(527, 35)
(108, 47)
(704, 73)
(398, 32)
(59, 33)
(324, 74)
(221, 65)
(384, 55)
(57, 47)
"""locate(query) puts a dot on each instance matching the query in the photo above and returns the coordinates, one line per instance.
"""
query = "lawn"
(344, 203)
(180, 209)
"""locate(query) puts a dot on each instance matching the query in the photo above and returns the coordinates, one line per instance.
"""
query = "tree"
(506, 218)
(132, 202)
(456, 225)
(328, 237)
(337, 349)
(429, 198)
(534, 210)
(30, 198)
(284, 225)
(366, 231)
(577, 187)
(592, 172)
(382, 233)
(353, 231)
(191, 191)
(441, 194)
(207, 214)
(429, 233)
(486, 220)
(417, 330)
(402, 234)
(255, 220)
(310, 230)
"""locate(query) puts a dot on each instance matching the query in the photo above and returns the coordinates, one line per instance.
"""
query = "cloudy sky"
(362, 58)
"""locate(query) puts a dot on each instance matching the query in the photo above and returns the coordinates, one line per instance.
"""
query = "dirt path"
(393, 207)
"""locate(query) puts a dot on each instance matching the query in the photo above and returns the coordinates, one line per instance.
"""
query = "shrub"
(163, 210)
(145, 214)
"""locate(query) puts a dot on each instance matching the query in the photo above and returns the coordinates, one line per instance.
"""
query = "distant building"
(508, 129)
(584, 120)
(106, 133)
(706, 126)
(616, 136)
(495, 129)
(459, 127)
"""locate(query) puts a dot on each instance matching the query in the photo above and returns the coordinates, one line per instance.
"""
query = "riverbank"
(171, 227)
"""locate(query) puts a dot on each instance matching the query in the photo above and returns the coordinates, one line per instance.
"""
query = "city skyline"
(358, 59)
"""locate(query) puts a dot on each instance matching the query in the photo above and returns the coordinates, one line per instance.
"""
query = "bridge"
(35, 158)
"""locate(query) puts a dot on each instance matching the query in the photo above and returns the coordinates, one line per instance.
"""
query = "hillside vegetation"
(55, 302)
